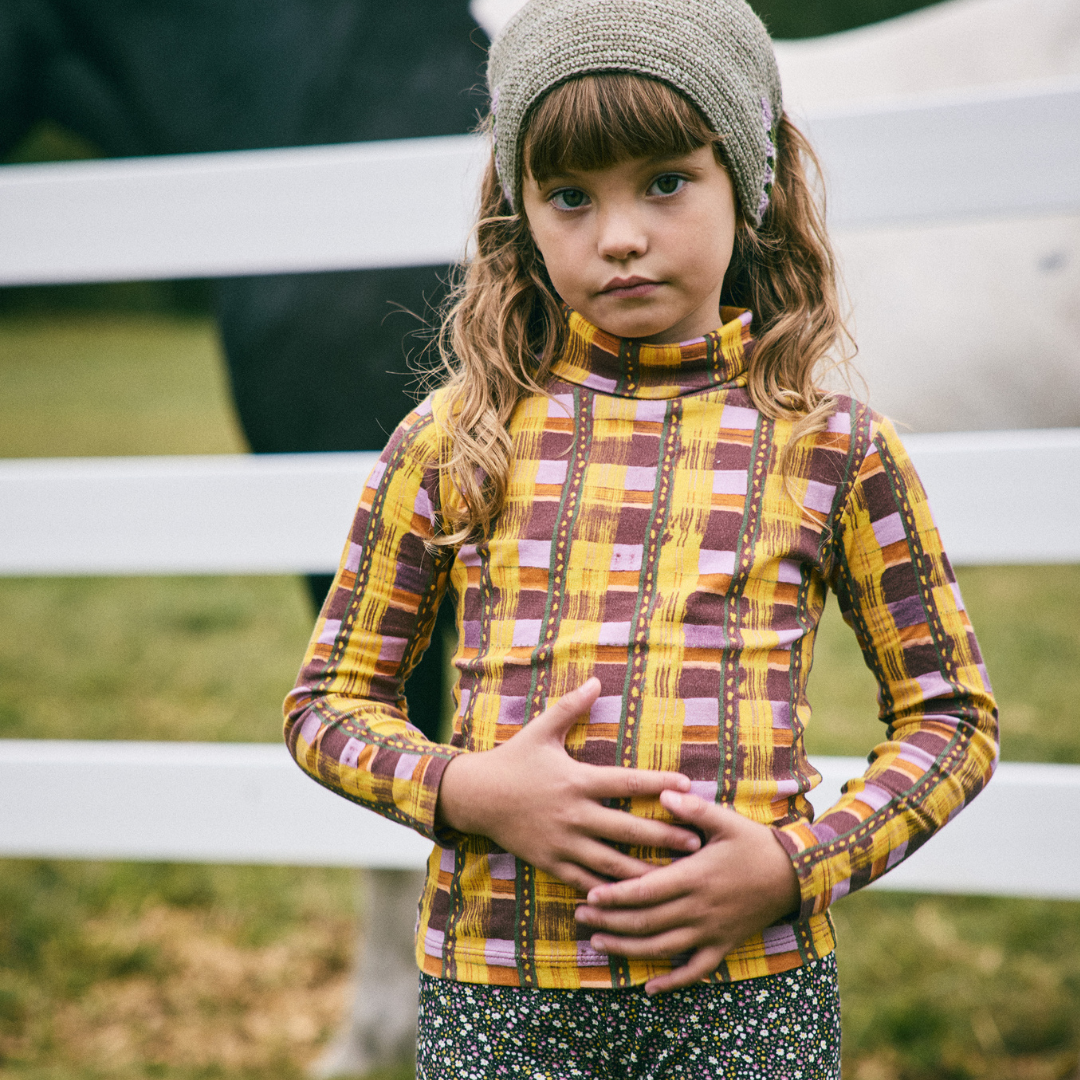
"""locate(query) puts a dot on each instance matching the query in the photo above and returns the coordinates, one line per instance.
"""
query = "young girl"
(637, 496)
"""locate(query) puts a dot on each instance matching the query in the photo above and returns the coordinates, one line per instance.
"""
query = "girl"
(637, 496)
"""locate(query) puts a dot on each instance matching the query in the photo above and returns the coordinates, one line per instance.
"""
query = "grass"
(132, 970)
(149, 658)
(126, 970)
(951, 988)
(100, 384)
(1028, 622)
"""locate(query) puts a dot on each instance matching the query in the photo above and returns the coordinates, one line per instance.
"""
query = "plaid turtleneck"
(650, 539)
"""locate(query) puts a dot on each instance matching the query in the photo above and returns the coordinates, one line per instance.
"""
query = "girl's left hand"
(707, 903)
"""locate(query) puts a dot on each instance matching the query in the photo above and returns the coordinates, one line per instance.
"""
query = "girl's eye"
(569, 199)
(667, 184)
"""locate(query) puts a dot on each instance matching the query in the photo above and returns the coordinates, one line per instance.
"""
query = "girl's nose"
(621, 237)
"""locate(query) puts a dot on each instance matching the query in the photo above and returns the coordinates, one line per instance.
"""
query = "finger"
(637, 922)
(658, 886)
(577, 877)
(702, 964)
(612, 782)
(557, 719)
(586, 879)
(605, 861)
(619, 827)
(657, 947)
(708, 817)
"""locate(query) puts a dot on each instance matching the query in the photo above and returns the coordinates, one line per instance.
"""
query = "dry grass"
(203, 999)
(165, 970)
(959, 987)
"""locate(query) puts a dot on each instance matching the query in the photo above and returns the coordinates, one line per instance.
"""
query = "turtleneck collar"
(627, 368)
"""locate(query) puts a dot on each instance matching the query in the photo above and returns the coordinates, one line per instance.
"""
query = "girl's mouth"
(628, 288)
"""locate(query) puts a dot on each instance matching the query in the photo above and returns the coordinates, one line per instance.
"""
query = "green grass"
(958, 987)
(1027, 619)
(126, 970)
(132, 970)
(149, 658)
(100, 384)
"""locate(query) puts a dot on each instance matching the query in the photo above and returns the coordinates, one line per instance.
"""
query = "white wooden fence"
(410, 202)
(1000, 497)
(249, 803)
(234, 514)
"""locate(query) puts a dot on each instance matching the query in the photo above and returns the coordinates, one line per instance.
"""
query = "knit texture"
(716, 52)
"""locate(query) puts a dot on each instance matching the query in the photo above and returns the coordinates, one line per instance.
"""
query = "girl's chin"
(635, 324)
(658, 322)
(648, 333)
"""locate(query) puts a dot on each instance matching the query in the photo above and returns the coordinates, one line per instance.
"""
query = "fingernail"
(674, 800)
(598, 946)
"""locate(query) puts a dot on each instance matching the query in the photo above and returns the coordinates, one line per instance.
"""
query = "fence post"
(380, 1031)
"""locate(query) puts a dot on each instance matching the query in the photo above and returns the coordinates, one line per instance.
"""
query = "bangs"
(595, 121)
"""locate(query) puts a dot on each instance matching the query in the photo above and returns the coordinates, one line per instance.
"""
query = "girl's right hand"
(534, 800)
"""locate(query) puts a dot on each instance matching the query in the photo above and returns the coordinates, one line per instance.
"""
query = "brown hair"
(504, 326)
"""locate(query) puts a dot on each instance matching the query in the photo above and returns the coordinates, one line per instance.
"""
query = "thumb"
(556, 720)
(715, 822)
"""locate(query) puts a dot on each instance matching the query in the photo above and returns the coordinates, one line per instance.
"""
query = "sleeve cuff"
(798, 841)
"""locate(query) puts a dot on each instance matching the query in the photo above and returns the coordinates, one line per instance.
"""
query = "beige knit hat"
(716, 52)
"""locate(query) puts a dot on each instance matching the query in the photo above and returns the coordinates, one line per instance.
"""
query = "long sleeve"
(897, 591)
(346, 722)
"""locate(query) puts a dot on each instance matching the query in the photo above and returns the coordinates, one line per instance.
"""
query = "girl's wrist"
(794, 885)
(458, 800)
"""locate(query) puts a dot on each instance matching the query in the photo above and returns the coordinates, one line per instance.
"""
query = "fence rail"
(234, 514)
(249, 803)
(289, 513)
(410, 202)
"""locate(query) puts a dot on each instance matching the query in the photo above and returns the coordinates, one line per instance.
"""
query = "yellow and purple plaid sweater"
(649, 538)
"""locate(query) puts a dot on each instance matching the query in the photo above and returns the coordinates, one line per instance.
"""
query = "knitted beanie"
(716, 52)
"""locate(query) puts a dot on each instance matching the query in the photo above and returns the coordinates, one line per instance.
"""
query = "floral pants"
(778, 1027)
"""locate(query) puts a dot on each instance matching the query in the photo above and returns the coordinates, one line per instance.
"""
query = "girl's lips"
(629, 287)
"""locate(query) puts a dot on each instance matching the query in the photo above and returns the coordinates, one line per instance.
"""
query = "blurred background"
(182, 971)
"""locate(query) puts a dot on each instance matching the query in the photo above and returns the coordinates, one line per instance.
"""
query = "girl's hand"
(740, 882)
(537, 802)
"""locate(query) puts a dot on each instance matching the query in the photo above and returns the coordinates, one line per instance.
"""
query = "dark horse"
(317, 361)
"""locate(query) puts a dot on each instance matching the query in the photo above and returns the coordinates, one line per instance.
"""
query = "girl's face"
(639, 249)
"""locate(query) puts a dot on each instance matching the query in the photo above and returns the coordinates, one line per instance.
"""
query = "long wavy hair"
(503, 324)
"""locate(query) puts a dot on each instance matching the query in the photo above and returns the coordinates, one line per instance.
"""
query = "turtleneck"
(657, 545)
(627, 368)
